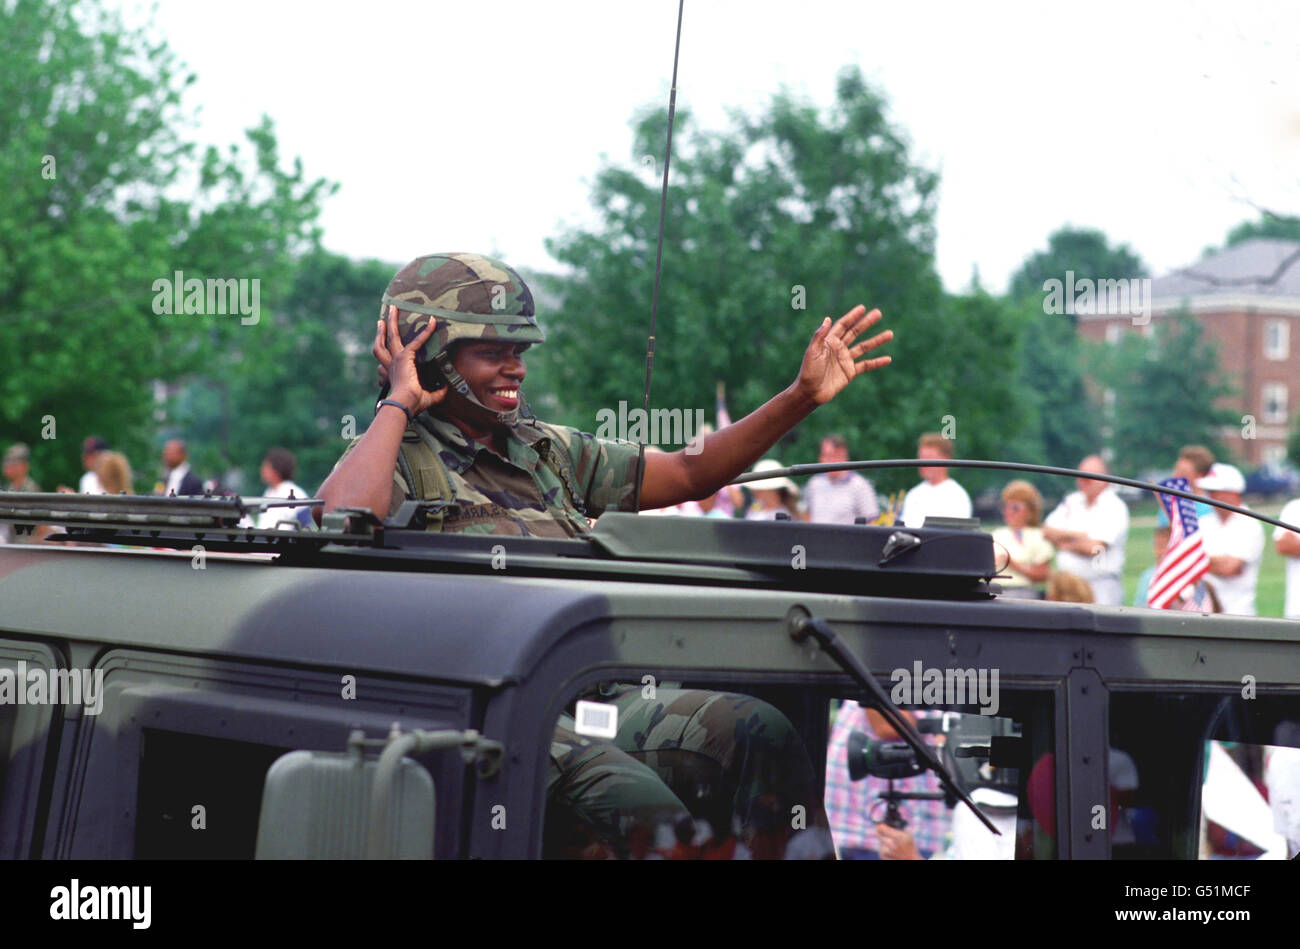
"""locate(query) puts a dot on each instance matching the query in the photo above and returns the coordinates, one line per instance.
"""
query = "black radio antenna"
(659, 256)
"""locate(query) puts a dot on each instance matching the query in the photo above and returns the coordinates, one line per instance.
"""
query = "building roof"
(1260, 267)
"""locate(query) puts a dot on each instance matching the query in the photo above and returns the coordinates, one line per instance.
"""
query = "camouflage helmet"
(473, 298)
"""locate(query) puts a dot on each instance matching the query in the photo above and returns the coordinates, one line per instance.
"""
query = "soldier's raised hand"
(831, 360)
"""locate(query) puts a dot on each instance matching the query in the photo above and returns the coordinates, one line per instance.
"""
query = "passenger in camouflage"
(738, 761)
(525, 493)
(464, 320)
(455, 429)
(479, 314)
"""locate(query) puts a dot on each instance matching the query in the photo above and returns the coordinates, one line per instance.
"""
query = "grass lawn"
(1270, 594)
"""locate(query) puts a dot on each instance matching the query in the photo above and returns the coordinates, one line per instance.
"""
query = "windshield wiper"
(802, 626)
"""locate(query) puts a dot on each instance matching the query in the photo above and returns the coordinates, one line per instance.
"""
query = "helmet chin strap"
(457, 381)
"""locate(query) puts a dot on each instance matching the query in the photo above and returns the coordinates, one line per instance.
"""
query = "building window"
(1274, 455)
(1277, 339)
(1274, 403)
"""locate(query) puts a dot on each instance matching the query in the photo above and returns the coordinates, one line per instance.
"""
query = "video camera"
(981, 751)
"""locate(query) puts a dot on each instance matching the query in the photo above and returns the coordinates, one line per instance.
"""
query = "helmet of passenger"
(472, 297)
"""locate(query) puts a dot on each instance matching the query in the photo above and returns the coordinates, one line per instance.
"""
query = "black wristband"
(409, 416)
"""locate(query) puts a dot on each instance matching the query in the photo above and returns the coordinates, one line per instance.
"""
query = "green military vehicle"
(181, 687)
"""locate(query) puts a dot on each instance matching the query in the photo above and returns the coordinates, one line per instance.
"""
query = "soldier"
(454, 428)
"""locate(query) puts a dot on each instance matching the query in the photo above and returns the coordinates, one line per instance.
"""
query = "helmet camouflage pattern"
(472, 296)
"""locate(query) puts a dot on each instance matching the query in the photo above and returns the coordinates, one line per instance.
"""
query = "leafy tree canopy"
(1064, 417)
(307, 385)
(93, 163)
(773, 223)
(1084, 251)
(1165, 387)
(1284, 226)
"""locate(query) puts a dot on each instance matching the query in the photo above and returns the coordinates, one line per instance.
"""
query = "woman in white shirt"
(277, 471)
(1029, 552)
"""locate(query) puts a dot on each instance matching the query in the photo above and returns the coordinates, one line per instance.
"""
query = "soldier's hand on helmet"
(397, 363)
(833, 359)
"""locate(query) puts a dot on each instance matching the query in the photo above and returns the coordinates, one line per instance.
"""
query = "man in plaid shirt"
(849, 804)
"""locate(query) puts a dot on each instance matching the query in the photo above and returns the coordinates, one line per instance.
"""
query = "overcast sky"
(478, 126)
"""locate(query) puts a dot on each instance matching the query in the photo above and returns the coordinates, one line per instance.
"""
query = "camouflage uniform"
(525, 494)
(737, 760)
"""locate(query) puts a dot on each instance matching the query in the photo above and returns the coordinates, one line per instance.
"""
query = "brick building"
(1247, 300)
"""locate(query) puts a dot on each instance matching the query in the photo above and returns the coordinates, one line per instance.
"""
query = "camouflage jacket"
(525, 495)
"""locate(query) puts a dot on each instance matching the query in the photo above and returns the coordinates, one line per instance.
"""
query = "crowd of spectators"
(110, 472)
(1075, 553)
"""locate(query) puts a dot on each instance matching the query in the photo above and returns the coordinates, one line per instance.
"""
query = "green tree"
(773, 223)
(1284, 226)
(91, 160)
(297, 388)
(1084, 251)
(1003, 422)
(1166, 391)
(87, 144)
(244, 385)
(1065, 416)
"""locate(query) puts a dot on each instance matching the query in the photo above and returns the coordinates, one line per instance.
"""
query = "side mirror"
(316, 805)
(320, 805)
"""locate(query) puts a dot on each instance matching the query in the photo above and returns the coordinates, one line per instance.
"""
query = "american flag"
(1184, 561)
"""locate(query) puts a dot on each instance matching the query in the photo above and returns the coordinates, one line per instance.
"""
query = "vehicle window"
(1203, 775)
(679, 772)
(179, 756)
(881, 805)
(1250, 801)
(199, 797)
(697, 773)
(24, 739)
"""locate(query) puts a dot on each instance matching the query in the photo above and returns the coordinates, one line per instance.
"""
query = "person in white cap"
(1288, 545)
(773, 496)
(1233, 542)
